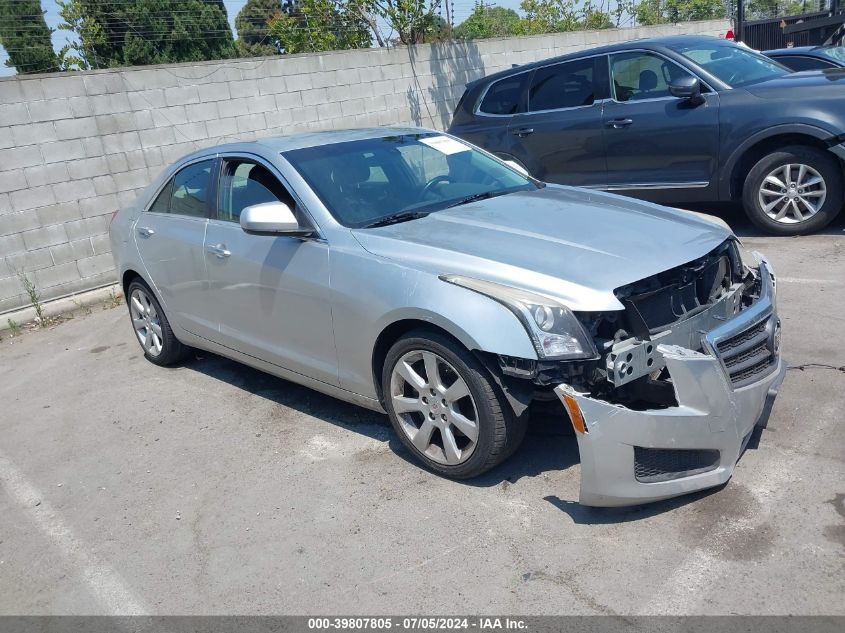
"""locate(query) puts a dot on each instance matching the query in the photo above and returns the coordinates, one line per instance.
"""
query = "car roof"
(650, 43)
(793, 50)
(279, 144)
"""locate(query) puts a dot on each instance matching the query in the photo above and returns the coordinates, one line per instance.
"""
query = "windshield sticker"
(445, 144)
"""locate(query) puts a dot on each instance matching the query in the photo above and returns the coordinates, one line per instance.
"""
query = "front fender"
(737, 153)
(395, 293)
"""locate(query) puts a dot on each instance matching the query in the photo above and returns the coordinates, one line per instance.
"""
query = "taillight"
(729, 35)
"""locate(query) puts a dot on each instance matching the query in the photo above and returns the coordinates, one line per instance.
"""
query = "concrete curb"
(62, 305)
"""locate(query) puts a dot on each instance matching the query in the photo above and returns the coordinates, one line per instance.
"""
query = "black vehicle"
(673, 120)
(809, 57)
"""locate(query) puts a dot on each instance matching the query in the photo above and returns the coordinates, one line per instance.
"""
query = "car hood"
(810, 84)
(573, 244)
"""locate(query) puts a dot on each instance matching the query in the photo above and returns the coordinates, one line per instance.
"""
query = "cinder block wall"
(76, 146)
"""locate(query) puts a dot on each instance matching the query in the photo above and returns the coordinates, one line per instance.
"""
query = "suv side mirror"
(271, 217)
(686, 87)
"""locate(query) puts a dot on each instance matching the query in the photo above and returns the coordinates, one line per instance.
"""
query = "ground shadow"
(585, 515)
(549, 445)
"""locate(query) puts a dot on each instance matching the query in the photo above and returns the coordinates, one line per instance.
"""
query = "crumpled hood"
(804, 86)
(573, 244)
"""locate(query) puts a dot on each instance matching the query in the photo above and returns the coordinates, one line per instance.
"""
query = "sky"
(462, 8)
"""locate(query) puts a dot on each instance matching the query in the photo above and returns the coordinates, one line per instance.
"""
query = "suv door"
(654, 140)
(269, 294)
(169, 235)
(559, 137)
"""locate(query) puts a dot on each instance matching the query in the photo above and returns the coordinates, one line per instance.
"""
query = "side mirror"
(686, 87)
(271, 217)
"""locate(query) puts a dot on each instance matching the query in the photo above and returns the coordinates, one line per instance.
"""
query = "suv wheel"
(151, 326)
(794, 190)
(445, 407)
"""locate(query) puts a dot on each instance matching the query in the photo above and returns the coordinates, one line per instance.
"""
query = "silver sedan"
(409, 272)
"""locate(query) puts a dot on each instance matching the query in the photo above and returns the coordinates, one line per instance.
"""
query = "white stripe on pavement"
(106, 585)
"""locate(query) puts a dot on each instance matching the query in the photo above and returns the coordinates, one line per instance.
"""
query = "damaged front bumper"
(631, 456)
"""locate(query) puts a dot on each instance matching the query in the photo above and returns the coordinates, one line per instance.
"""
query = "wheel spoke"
(148, 340)
(403, 404)
(458, 389)
(782, 211)
(411, 377)
(796, 212)
(156, 342)
(450, 446)
(773, 204)
(139, 323)
(809, 206)
(802, 171)
(136, 303)
(432, 371)
(775, 181)
(422, 438)
(465, 426)
(818, 193)
(156, 329)
(814, 180)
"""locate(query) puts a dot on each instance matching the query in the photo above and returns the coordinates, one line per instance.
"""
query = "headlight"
(555, 331)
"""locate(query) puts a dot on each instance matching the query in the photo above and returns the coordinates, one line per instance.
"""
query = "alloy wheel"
(146, 322)
(792, 193)
(434, 406)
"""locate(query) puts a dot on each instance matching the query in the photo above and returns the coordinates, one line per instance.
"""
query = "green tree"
(762, 9)
(321, 25)
(413, 21)
(489, 21)
(594, 17)
(252, 23)
(549, 16)
(153, 31)
(649, 12)
(25, 36)
(79, 53)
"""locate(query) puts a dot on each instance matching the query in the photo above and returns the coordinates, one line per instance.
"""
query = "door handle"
(619, 123)
(144, 231)
(218, 250)
(523, 131)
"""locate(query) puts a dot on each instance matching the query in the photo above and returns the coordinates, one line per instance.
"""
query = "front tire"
(793, 191)
(152, 329)
(445, 407)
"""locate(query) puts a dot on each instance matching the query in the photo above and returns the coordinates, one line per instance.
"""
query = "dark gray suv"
(673, 120)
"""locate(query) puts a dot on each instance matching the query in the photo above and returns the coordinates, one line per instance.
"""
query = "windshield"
(367, 181)
(735, 65)
(834, 52)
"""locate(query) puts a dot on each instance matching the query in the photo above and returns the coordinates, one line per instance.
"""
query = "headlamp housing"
(555, 331)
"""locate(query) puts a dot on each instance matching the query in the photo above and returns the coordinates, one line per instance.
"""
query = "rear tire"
(445, 407)
(151, 327)
(794, 190)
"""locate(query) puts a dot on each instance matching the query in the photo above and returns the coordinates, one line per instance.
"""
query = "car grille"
(662, 464)
(749, 354)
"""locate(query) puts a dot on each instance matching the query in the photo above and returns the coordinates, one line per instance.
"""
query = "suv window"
(799, 63)
(503, 97)
(638, 75)
(566, 85)
(189, 190)
(245, 183)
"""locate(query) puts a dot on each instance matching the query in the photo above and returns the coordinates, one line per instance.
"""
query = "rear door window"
(798, 63)
(504, 96)
(566, 85)
(189, 191)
